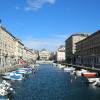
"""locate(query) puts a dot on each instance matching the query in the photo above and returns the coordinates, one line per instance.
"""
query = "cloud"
(37, 4)
(50, 44)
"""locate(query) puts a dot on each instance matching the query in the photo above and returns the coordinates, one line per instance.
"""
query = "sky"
(48, 23)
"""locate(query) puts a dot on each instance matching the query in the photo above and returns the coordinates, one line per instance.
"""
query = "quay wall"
(9, 68)
(82, 67)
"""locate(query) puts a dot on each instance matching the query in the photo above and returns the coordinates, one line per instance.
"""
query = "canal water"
(52, 83)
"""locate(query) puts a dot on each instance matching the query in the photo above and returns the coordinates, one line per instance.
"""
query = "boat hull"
(90, 74)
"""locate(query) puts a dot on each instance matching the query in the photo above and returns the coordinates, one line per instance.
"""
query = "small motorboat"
(7, 75)
(69, 69)
(29, 71)
(80, 72)
(89, 74)
(5, 88)
(94, 81)
(22, 71)
(4, 98)
(14, 76)
(3, 92)
(60, 66)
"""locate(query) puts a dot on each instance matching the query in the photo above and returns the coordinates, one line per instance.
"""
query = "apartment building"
(19, 50)
(70, 46)
(12, 49)
(88, 50)
(6, 47)
(60, 55)
(35, 54)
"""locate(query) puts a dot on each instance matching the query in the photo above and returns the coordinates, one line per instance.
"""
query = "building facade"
(7, 47)
(88, 50)
(44, 55)
(35, 54)
(29, 55)
(61, 54)
(70, 46)
(19, 50)
(12, 50)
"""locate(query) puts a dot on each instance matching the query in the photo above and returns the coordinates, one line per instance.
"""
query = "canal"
(52, 83)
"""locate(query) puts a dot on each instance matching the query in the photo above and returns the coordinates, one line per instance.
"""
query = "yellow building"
(19, 50)
(6, 47)
(12, 50)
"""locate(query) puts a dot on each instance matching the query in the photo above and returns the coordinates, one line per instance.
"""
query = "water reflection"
(52, 83)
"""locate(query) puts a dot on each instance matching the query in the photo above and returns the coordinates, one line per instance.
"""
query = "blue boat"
(15, 76)
(3, 98)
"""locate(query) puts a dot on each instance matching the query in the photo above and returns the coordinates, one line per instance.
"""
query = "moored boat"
(5, 88)
(24, 70)
(92, 79)
(14, 76)
(80, 72)
(4, 98)
(89, 74)
(69, 69)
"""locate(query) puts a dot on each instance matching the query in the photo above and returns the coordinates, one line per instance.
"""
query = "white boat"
(13, 76)
(94, 81)
(69, 69)
(16, 77)
(59, 66)
(80, 72)
(97, 83)
(21, 71)
(3, 92)
(5, 88)
(54, 64)
(9, 73)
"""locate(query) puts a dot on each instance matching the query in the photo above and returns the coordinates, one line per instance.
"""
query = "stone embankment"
(9, 68)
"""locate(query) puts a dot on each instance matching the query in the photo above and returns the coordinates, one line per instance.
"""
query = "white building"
(61, 54)
(44, 54)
